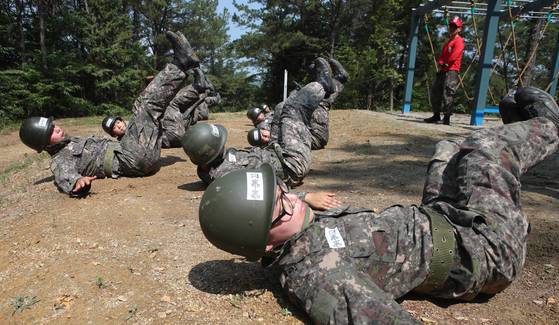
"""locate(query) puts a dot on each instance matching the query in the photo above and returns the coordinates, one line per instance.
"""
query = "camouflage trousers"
(443, 91)
(140, 148)
(318, 126)
(350, 264)
(294, 136)
(177, 119)
(476, 184)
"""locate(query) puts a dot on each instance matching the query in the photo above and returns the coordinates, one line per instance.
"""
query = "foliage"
(73, 58)
(90, 57)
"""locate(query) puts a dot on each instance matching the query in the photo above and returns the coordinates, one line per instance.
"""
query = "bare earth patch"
(133, 250)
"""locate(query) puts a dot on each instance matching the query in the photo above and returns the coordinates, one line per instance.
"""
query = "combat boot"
(184, 57)
(535, 102)
(509, 111)
(213, 100)
(201, 82)
(446, 120)
(436, 118)
(338, 71)
(323, 75)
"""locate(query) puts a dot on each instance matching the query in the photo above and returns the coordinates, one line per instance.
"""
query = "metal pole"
(486, 60)
(284, 84)
(555, 71)
(410, 65)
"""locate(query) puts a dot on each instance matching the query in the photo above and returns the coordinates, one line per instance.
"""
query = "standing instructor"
(448, 77)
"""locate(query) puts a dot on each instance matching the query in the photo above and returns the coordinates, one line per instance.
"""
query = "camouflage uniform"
(443, 91)
(350, 264)
(188, 107)
(319, 120)
(137, 153)
(289, 154)
(266, 124)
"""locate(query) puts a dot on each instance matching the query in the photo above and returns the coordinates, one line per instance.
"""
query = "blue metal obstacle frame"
(493, 13)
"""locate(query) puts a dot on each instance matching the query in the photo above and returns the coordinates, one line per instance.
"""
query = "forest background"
(70, 58)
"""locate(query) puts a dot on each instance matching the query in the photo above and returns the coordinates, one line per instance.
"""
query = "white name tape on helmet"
(255, 186)
(214, 131)
(334, 238)
(43, 121)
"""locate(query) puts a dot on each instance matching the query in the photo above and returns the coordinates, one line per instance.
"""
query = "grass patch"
(9, 127)
(21, 165)
(101, 283)
(20, 303)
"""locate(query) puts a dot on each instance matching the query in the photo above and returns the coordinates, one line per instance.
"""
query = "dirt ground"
(133, 251)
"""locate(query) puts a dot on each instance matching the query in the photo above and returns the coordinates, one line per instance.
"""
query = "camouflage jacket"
(266, 124)
(79, 157)
(235, 159)
(350, 264)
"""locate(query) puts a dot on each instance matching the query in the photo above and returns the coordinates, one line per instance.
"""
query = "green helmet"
(203, 142)
(35, 132)
(109, 122)
(254, 137)
(253, 113)
(236, 211)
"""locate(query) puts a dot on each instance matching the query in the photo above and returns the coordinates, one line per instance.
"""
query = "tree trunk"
(42, 14)
(531, 50)
(391, 95)
(20, 12)
(135, 23)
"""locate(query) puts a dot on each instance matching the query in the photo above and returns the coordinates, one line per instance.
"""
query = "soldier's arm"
(345, 295)
(319, 200)
(66, 175)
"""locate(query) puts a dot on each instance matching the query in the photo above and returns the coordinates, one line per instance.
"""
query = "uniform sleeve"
(64, 169)
(456, 54)
(347, 296)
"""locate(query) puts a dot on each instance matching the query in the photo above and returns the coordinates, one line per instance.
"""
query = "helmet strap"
(306, 221)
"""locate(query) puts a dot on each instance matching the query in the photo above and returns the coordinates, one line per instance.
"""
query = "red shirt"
(451, 57)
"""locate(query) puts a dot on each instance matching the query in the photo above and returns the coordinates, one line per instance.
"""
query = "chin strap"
(306, 221)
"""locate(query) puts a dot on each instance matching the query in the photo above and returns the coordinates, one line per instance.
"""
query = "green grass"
(21, 165)
(20, 303)
(9, 127)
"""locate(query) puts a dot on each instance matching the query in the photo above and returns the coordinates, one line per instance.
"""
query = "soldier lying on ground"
(76, 161)
(261, 118)
(347, 265)
(290, 155)
(189, 106)
(319, 119)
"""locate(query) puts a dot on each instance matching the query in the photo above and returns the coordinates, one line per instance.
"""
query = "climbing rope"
(533, 54)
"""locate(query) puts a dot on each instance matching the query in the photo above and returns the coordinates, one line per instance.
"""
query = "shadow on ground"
(198, 186)
(47, 179)
(170, 160)
(241, 278)
(383, 165)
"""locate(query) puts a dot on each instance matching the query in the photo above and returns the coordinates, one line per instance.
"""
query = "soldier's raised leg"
(319, 127)
(476, 184)
(294, 136)
(140, 148)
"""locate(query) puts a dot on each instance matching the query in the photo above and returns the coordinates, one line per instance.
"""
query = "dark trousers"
(442, 92)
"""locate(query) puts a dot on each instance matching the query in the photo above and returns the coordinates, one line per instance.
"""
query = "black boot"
(201, 82)
(436, 118)
(338, 71)
(509, 111)
(323, 75)
(534, 102)
(185, 58)
(446, 120)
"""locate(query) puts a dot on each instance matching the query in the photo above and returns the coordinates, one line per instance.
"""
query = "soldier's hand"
(83, 182)
(322, 200)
